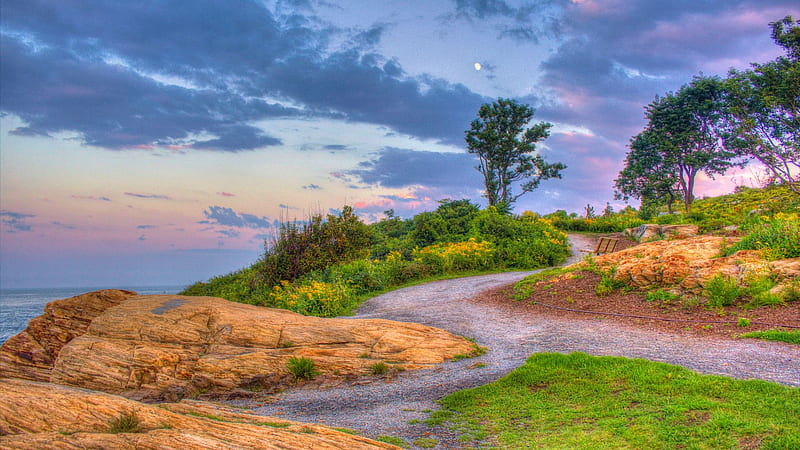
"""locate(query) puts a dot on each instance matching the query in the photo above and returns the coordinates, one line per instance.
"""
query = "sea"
(18, 306)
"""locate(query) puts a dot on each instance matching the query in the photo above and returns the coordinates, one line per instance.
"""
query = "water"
(18, 306)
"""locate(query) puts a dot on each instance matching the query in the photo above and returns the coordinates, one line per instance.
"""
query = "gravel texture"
(385, 407)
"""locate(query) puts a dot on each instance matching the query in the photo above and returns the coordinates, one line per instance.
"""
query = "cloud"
(397, 167)
(144, 75)
(527, 21)
(228, 233)
(148, 196)
(335, 147)
(91, 197)
(228, 217)
(312, 187)
(145, 227)
(14, 221)
(226, 194)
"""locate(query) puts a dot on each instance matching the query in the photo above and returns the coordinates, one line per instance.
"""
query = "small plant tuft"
(722, 290)
(394, 440)
(743, 322)
(302, 368)
(379, 368)
(425, 442)
(127, 422)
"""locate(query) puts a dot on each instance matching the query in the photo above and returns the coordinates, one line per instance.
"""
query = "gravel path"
(386, 407)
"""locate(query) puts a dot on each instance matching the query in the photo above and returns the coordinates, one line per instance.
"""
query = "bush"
(302, 368)
(313, 298)
(457, 256)
(777, 237)
(722, 290)
(379, 368)
(127, 422)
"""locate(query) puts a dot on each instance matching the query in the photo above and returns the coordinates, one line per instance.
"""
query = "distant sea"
(18, 306)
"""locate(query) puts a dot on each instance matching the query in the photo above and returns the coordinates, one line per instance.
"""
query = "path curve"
(385, 408)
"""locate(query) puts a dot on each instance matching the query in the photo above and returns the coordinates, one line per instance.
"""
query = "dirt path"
(386, 407)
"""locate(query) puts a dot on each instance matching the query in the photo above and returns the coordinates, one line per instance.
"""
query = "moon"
(477, 66)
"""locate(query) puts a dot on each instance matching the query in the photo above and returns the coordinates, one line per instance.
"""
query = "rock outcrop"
(37, 415)
(167, 347)
(649, 231)
(690, 263)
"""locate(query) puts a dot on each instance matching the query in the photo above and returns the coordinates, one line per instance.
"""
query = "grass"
(392, 440)
(126, 422)
(792, 337)
(582, 401)
(379, 368)
(302, 368)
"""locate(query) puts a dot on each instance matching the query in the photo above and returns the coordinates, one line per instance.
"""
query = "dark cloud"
(520, 21)
(312, 187)
(14, 221)
(335, 147)
(397, 167)
(64, 226)
(221, 215)
(228, 233)
(145, 227)
(98, 70)
(148, 196)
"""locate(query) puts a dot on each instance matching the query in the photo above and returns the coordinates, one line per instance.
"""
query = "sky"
(160, 142)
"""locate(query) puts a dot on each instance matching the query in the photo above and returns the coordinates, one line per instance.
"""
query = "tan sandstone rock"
(167, 347)
(37, 415)
(690, 263)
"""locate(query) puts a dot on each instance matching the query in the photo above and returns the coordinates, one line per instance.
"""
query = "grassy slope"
(581, 401)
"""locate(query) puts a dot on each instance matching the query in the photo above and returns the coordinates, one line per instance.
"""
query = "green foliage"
(607, 223)
(608, 282)
(792, 337)
(743, 322)
(394, 440)
(661, 295)
(127, 422)
(778, 237)
(379, 368)
(579, 401)
(506, 150)
(722, 290)
(524, 288)
(425, 442)
(302, 367)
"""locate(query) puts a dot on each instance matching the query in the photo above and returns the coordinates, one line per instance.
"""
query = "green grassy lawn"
(582, 401)
(792, 337)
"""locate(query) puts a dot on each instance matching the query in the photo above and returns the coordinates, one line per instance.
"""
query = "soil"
(688, 315)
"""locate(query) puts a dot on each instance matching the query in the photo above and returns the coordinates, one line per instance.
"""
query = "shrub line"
(666, 319)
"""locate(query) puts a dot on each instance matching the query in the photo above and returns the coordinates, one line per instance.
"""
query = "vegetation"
(302, 368)
(792, 337)
(778, 236)
(456, 238)
(581, 401)
(506, 151)
(379, 368)
(126, 422)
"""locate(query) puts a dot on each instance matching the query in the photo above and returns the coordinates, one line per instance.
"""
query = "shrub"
(661, 295)
(379, 368)
(457, 256)
(127, 422)
(608, 283)
(302, 368)
(313, 298)
(722, 290)
(743, 322)
(777, 237)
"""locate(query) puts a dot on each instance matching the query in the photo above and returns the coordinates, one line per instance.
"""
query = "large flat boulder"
(37, 415)
(167, 347)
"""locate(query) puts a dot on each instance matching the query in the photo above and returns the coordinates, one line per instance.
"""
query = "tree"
(764, 109)
(685, 129)
(506, 151)
(645, 176)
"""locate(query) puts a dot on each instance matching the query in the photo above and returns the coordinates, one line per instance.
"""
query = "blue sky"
(146, 143)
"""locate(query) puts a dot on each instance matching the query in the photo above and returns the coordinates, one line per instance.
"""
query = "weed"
(394, 440)
(791, 292)
(722, 290)
(126, 422)
(286, 344)
(346, 430)
(364, 355)
(608, 283)
(274, 424)
(763, 299)
(379, 368)
(413, 421)
(302, 368)
(476, 351)
(661, 295)
(425, 442)
(308, 430)
(743, 322)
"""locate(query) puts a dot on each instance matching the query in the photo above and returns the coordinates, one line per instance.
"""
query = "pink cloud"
(226, 194)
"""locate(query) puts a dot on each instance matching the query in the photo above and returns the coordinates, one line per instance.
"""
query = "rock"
(31, 353)
(689, 263)
(167, 347)
(37, 415)
(646, 232)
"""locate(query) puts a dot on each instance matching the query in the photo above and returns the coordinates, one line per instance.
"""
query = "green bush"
(722, 290)
(777, 237)
(379, 368)
(302, 368)
(127, 422)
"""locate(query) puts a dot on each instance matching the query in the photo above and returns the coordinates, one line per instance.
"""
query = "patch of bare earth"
(573, 296)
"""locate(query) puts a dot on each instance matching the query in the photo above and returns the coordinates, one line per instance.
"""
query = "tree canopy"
(506, 151)
(682, 139)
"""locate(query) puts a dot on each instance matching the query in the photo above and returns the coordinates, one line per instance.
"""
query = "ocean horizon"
(19, 305)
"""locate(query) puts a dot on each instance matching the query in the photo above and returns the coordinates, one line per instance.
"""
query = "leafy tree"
(764, 106)
(645, 176)
(506, 151)
(448, 223)
(685, 130)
